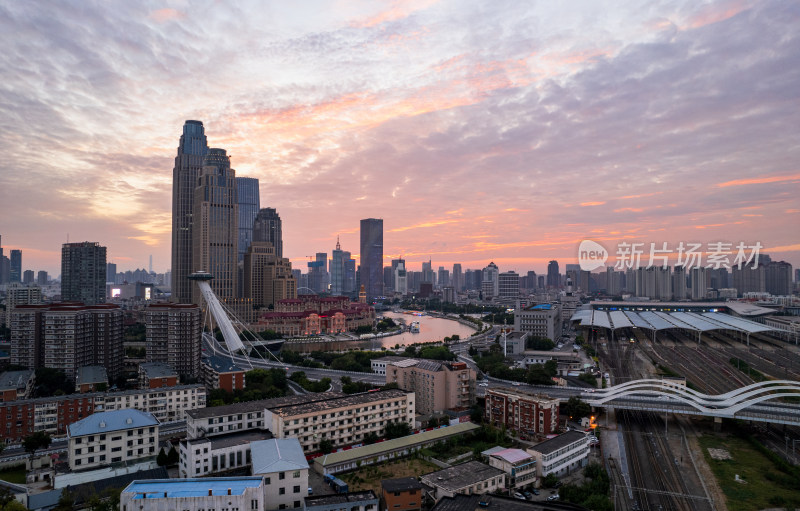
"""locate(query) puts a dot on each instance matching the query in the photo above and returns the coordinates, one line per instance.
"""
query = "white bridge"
(746, 403)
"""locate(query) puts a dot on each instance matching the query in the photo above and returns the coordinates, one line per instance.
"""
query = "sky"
(479, 131)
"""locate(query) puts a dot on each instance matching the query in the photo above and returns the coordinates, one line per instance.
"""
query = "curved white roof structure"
(654, 320)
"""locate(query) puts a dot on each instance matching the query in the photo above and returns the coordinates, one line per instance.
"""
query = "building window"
(296, 489)
(282, 491)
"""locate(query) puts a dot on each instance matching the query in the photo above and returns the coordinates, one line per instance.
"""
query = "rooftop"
(221, 364)
(115, 420)
(277, 455)
(231, 439)
(490, 502)
(254, 406)
(13, 380)
(459, 476)
(157, 370)
(401, 484)
(347, 498)
(512, 455)
(396, 443)
(92, 374)
(540, 307)
(559, 442)
(339, 401)
(182, 488)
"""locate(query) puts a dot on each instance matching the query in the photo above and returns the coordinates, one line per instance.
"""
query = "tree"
(13, 505)
(549, 481)
(172, 456)
(36, 441)
(66, 502)
(326, 446)
(576, 408)
(161, 459)
(397, 430)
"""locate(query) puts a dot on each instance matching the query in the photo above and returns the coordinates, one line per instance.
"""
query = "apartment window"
(282, 491)
(296, 474)
(282, 476)
(296, 489)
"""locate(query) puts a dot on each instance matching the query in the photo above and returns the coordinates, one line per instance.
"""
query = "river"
(431, 329)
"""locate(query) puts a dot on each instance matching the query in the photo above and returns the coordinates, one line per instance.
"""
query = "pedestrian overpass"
(755, 402)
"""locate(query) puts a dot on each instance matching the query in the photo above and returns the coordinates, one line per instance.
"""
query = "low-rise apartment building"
(527, 414)
(519, 466)
(401, 494)
(562, 454)
(105, 438)
(242, 493)
(155, 375)
(22, 418)
(283, 466)
(311, 418)
(470, 478)
(438, 385)
(91, 379)
(222, 373)
(16, 385)
(217, 455)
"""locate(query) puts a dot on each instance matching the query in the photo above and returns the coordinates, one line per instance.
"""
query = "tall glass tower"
(215, 225)
(249, 204)
(337, 270)
(267, 227)
(191, 151)
(372, 257)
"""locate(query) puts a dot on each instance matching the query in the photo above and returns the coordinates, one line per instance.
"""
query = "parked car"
(528, 495)
(483, 384)
(535, 491)
(519, 496)
(553, 497)
(516, 384)
(558, 484)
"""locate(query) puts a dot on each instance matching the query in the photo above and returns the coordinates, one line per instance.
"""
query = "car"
(483, 385)
(553, 497)
(528, 495)
(519, 496)
(523, 437)
(558, 484)
(535, 491)
(516, 384)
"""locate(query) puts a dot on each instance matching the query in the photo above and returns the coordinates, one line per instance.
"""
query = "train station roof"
(656, 320)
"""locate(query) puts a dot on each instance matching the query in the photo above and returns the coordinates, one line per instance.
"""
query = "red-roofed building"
(313, 315)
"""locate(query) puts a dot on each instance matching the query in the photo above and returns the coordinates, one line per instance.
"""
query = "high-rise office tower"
(490, 286)
(15, 268)
(41, 278)
(508, 284)
(215, 225)
(458, 278)
(388, 279)
(427, 272)
(318, 273)
(350, 275)
(400, 278)
(337, 270)
(83, 272)
(444, 277)
(778, 278)
(372, 257)
(111, 272)
(267, 227)
(191, 151)
(249, 203)
(553, 277)
(27, 277)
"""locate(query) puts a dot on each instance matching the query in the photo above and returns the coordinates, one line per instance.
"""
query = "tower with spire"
(337, 266)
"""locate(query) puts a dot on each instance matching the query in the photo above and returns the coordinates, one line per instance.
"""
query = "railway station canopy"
(658, 320)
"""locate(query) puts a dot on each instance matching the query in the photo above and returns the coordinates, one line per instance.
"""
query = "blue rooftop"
(178, 488)
(277, 455)
(221, 364)
(116, 420)
(541, 307)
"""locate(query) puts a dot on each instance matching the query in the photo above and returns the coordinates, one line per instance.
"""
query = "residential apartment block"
(527, 414)
(217, 455)
(173, 336)
(106, 438)
(519, 466)
(438, 386)
(283, 466)
(19, 419)
(67, 336)
(543, 320)
(311, 418)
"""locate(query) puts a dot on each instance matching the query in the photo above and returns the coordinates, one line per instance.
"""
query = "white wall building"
(216, 455)
(285, 470)
(231, 493)
(470, 478)
(112, 437)
(562, 454)
(518, 465)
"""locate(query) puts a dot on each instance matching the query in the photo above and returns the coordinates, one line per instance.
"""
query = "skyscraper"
(111, 272)
(400, 278)
(83, 272)
(15, 268)
(372, 257)
(267, 227)
(191, 151)
(247, 195)
(553, 277)
(215, 225)
(458, 278)
(3, 264)
(337, 270)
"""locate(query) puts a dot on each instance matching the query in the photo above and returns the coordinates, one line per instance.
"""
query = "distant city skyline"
(602, 121)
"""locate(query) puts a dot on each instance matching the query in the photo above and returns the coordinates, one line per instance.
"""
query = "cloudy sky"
(479, 131)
